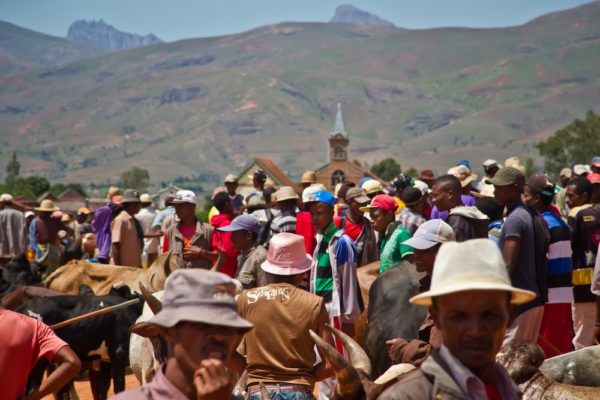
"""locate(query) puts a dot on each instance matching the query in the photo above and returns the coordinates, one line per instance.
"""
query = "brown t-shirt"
(279, 347)
(124, 232)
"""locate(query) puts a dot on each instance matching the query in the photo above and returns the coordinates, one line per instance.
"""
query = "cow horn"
(349, 384)
(356, 354)
(239, 389)
(154, 303)
(264, 394)
(219, 262)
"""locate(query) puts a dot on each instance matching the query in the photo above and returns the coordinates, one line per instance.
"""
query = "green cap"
(507, 176)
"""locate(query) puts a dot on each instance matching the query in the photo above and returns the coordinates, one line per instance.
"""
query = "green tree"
(58, 188)
(136, 178)
(37, 184)
(386, 169)
(12, 172)
(412, 172)
(576, 143)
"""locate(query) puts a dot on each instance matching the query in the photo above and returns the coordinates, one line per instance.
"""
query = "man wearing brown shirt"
(279, 350)
(126, 232)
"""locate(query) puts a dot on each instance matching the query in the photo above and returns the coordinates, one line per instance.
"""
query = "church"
(340, 168)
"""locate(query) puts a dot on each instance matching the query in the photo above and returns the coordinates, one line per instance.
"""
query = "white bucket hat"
(472, 265)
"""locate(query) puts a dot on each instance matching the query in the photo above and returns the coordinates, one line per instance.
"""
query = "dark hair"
(490, 207)
(449, 181)
(582, 185)
(267, 193)
(220, 201)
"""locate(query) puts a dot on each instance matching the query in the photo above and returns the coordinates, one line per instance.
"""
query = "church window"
(337, 177)
(339, 153)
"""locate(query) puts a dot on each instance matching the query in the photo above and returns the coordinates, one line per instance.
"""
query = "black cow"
(109, 331)
(390, 314)
(18, 272)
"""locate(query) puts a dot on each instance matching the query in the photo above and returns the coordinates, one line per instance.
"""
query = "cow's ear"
(145, 329)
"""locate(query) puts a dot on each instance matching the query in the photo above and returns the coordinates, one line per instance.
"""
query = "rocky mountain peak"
(349, 14)
(105, 35)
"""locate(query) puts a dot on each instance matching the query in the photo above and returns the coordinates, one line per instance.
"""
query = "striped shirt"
(559, 260)
(284, 222)
(324, 277)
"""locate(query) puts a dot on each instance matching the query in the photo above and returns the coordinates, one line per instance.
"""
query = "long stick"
(92, 314)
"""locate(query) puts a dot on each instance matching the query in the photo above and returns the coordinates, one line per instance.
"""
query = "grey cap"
(242, 222)
(429, 234)
(131, 196)
(199, 295)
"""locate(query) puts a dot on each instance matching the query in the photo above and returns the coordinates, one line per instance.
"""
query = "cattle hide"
(579, 368)
(18, 272)
(365, 275)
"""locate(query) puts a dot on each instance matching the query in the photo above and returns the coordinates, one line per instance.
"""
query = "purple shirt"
(101, 227)
(467, 199)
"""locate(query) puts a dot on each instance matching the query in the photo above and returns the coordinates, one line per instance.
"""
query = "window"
(337, 177)
(339, 153)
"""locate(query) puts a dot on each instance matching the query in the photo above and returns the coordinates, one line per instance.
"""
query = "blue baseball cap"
(322, 196)
(242, 222)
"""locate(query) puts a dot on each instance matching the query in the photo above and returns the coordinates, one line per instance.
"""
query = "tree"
(136, 178)
(576, 143)
(412, 172)
(386, 169)
(58, 188)
(12, 172)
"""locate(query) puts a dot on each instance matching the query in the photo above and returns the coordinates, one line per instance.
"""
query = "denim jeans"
(285, 395)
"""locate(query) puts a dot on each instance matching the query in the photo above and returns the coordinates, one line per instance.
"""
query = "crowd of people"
(505, 257)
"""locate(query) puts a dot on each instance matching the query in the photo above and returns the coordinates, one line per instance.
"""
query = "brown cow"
(101, 278)
(365, 275)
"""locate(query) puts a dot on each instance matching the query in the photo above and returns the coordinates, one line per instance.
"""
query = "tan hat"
(566, 172)
(231, 179)
(373, 186)
(113, 191)
(514, 162)
(286, 193)
(46, 205)
(145, 198)
(463, 174)
(309, 177)
(476, 264)
(65, 218)
(6, 198)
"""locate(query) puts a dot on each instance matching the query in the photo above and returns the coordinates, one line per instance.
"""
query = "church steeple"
(338, 126)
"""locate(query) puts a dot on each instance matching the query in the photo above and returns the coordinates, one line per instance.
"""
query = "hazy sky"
(179, 19)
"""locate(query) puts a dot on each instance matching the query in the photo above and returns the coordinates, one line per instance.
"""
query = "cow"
(107, 334)
(365, 276)
(101, 278)
(579, 368)
(17, 272)
(390, 314)
(522, 361)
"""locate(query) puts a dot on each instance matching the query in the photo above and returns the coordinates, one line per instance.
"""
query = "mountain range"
(202, 108)
(107, 36)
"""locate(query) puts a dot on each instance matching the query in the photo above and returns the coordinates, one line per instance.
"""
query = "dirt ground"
(85, 393)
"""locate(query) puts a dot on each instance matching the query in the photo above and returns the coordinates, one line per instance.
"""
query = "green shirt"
(392, 252)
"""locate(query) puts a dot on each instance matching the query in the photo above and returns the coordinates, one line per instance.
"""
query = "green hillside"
(204, 107)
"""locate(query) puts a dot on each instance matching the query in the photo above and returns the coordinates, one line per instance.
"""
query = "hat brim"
(519, 296)
(227, 316)
(360, 199)
(367, 209)
(419, 243)
(297, 268)
(498, 182)
(233, 228)
(183, 202)
(468, 179)
(288, 198)
(46, 209)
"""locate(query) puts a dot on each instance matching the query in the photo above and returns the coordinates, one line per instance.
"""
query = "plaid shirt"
(410, 220)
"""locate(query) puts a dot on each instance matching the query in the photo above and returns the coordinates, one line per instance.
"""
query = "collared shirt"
(472, 385)
(390, 248)
(410, 220)
(249, 273)
(324, 274)
(124, 232)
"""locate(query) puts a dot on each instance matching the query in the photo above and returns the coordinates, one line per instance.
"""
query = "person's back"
(468, 222)
(12, 231)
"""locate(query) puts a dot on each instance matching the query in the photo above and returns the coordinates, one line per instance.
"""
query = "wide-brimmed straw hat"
(286, 193)
(309, 177)
(287, 255)
(472, 265)
(46, 205)
(463, 174)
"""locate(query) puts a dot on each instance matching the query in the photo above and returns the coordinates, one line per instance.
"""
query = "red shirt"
(351, 229)
(25, 341)
(305, 228)
(492, 393)
(222, 242)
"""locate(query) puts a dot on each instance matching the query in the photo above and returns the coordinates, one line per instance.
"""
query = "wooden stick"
(92, 314)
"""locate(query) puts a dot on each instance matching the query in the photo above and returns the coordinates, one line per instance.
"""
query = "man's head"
(83, 214)
(382, 210)
(287, 198)
(539, 192)
(490, 207)
(464, 175)
(356, 198)
(131, 201)
(413, 199)
(244, 231)
(231, 183)
(470, 301)
(5, 199)
(373, 188)
(427, 241)
(401, 182)
(445, 192)
(222, 202)
(427, 176)
(340, 194)
(199, 318)
(490, 167)
(258, 179)
(185, 204)
(565, 175)
(268, 195)
(579, 192)
(287, 260)
(308, 178)
(508, 183)
(321, 209)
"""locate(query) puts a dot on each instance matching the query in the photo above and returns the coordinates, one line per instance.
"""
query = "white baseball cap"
(5, 197)
(185, 196)
(430, 233)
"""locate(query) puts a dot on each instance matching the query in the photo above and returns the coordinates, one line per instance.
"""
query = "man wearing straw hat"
(46, 235)
(279, 350)
(470, 301)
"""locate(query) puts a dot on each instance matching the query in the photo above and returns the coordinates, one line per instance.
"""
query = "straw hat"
(46, 205)
(286, 193)
(308, 177)
(287, 255)
(463, 174)
(472, 265)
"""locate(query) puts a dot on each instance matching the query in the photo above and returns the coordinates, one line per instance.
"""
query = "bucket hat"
(131, 196)
(198, 295)
(286, 193)
(287, 255)
(430, 233)
(46, 205)
(472, 265)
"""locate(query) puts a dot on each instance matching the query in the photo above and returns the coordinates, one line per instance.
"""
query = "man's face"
(504, 194)
(355, 207)
(441, 197)
(134, 208)
(381, 219)
(231, 187)
(529, 197)
(424, 259)
(257, 182)
(321, 215)
(184, 210)
(192, 342)
(473, 324)
(241, 239)
(575, 199)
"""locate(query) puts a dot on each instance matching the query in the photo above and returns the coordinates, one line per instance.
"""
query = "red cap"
(384, 202)
(593, 177)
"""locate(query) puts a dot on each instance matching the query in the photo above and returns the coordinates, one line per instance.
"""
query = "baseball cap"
(7, 198)
(231, 178)
(321, 196)
(464, 163)
(581, 169)
(185, 196)
(596, 162)
(430, 233)
(411, 195)
(422, 186)
(358, 195)
(507, 176)
(343, 190)
(541, 184)
(593, 177)
(373, 186)
(242, 222)
(131, 196)
(566, 172)
(384, 202)
(490, 162)
(198, 295)
(286, 193)
(29, 214)
(475, 264)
